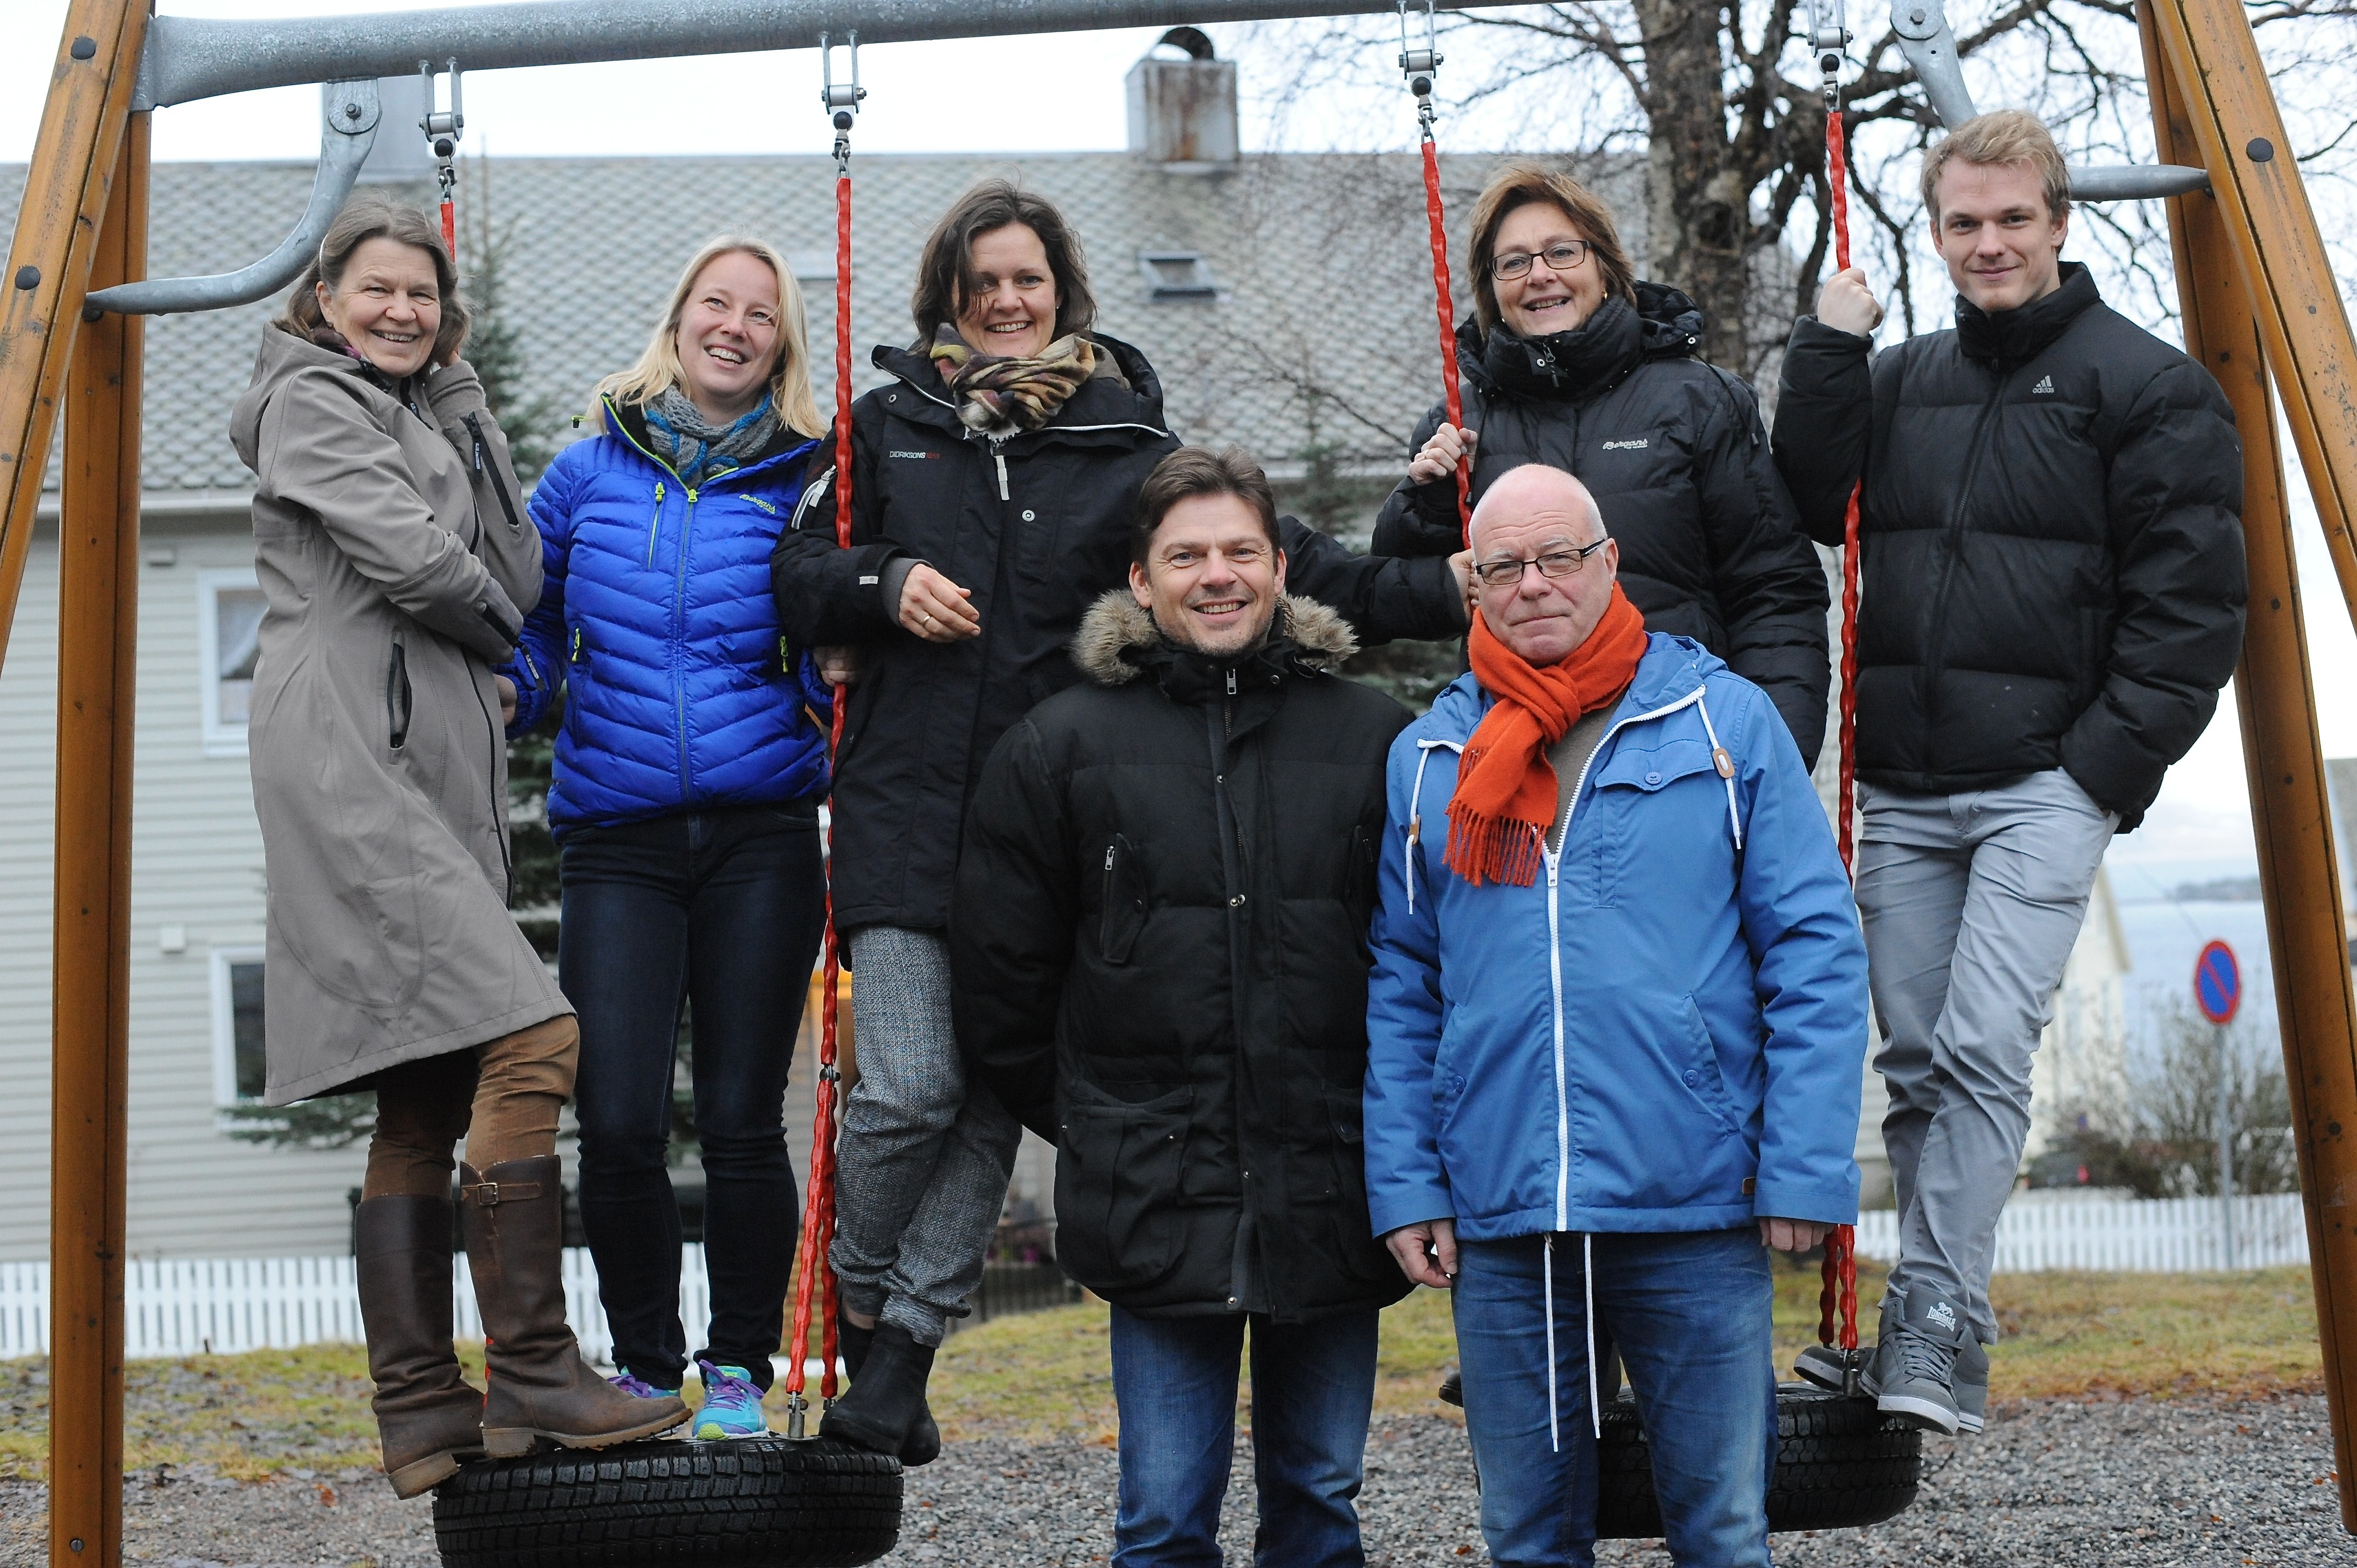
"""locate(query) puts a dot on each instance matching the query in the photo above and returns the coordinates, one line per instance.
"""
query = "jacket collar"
(630, 422)
(1592, 358)
(1671, 671)
(1118, 642)
(1101, 404)
(2010, 338)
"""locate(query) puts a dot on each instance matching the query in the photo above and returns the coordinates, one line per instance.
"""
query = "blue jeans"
(1690, 1314)
(1174, 1379)
(724, 909)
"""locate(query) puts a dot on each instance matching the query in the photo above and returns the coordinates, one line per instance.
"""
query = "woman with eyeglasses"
(1572, 361)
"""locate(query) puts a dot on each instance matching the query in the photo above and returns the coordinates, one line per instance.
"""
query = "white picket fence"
(198, 1305)
(2175, 1235)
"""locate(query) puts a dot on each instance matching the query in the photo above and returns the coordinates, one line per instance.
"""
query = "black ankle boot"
(852, 1343)
(885, 1410)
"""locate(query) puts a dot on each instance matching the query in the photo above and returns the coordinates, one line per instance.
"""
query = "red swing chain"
(815, 1278)
(1419, 66)
(1839, 1292)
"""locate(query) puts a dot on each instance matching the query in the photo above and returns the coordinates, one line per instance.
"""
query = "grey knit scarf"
(696, 448)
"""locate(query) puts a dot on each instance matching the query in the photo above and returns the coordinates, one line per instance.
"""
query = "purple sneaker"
(637, 1388)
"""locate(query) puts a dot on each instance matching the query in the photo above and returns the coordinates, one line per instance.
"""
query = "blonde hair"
(1523, 183)
(659, 368)
(2001, 136)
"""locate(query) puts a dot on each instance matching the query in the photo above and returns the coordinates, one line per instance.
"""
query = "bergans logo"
(917, 455)
(1639, 445)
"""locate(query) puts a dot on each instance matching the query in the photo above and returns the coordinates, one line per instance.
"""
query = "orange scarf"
(1505, 797)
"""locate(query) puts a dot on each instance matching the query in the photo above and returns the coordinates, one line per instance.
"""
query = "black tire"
(1840, 1464)
(754, 1502)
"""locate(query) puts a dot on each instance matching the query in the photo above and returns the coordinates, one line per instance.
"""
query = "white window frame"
(225, 1025)
(221, 739)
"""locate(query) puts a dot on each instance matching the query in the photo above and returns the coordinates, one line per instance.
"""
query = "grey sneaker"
(1971, 1385)
(1822, 1364)
(1913, 1373)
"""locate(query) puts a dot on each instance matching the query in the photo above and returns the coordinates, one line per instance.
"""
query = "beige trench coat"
(397, 562)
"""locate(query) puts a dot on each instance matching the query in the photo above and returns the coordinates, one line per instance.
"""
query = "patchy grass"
(1049, 1375)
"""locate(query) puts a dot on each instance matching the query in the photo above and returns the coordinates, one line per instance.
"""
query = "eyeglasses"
(1554, 564)
(1560, 258)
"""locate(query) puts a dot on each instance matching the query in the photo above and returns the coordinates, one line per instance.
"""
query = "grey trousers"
(1971, 904)
(925, 1157)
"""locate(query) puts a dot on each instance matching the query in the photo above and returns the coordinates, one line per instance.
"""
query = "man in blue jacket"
(1617, 1024)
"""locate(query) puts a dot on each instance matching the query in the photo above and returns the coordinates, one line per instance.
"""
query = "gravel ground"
(2112, 1485)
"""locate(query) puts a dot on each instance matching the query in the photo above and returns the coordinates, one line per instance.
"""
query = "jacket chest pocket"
(398, 697)
(1628, 786)
(1121, 915)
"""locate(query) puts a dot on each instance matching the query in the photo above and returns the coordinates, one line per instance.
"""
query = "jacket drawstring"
(1587, 1287)
(1423, 750)
(1726, 766)
(1554, 1436)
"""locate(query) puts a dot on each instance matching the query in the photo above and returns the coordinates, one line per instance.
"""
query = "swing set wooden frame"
(2260, 310)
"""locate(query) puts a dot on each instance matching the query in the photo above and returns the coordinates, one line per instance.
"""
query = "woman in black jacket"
(993, 486)
(1572, 363)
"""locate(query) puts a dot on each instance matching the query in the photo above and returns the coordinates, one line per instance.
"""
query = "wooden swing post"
(2258, 295)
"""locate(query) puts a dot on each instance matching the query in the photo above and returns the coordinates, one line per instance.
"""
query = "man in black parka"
(2053, 589)
(1159, 942)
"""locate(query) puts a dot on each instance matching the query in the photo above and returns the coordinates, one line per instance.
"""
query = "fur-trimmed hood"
(1118, 640)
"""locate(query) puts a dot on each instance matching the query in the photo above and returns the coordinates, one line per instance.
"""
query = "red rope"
(1452, 397)
(816, 1279)
(1840, 1247)
(450, 227)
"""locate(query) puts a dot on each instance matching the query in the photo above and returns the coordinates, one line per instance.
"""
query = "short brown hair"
(2001, 136)
(370, 216)
(1521, 183)
(1193, 471)
(945, 268)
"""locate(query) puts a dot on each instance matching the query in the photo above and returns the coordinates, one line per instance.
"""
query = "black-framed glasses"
(1554, 564)
(1560, 257)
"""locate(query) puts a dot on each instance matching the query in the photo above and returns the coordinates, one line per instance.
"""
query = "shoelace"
(637, 1387)
(1922, 1358)
(725, 1390)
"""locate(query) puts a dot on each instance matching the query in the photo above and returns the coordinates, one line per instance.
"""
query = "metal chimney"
(1182, 111)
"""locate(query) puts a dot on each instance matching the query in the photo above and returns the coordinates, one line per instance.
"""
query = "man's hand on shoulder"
(1793, 1235)
(1426, 1252)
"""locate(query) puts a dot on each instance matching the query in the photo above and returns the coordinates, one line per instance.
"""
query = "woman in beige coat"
(397, 563)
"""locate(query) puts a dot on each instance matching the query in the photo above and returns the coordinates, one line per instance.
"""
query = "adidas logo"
(1941, 1312)
(2045, 384)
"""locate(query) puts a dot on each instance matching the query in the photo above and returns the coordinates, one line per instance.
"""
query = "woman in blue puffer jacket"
(685, 804)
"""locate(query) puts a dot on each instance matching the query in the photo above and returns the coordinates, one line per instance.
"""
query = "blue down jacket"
(658, 614)
(1666, 1030)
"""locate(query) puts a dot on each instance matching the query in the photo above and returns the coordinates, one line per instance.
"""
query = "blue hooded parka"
(658, 614)
(1666, 1030)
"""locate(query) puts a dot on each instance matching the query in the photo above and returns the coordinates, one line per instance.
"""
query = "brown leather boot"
(427, 1416)
(512, 1219)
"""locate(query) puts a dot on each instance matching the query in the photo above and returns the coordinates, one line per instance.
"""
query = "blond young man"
(2053, 554)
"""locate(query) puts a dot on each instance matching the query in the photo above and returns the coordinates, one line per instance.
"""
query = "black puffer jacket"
(1674, 451)
(1036, 526)
(2052, 541)
(1161, 963)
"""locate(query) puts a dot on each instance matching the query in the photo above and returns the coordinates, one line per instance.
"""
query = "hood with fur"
(1118, 635)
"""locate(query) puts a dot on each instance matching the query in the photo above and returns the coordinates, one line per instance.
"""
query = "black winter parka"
(1160, 962)
(1036, 526)
(1674, 451)
(2050, 535)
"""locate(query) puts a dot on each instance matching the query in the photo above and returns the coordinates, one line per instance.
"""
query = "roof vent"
(1177, 274)
(1183, 111)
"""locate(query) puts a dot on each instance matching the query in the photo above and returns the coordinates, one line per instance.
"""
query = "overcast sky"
(1060, 92)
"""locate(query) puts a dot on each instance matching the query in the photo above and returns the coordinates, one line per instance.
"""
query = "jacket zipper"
(678, 633)
(1104, 916)
(398, 699)
(1555, 949)
(654, 523)
(1935, 663)
(498, 484)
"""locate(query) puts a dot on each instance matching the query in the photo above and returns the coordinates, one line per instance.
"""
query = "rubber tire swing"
(749, 1502)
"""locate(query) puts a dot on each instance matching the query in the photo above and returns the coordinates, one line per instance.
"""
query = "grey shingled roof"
(1323, 330)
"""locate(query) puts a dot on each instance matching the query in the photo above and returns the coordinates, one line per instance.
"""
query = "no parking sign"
(2217, 983)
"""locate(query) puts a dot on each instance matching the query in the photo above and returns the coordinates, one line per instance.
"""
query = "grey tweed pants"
(1970, 903)
(925, 1158)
